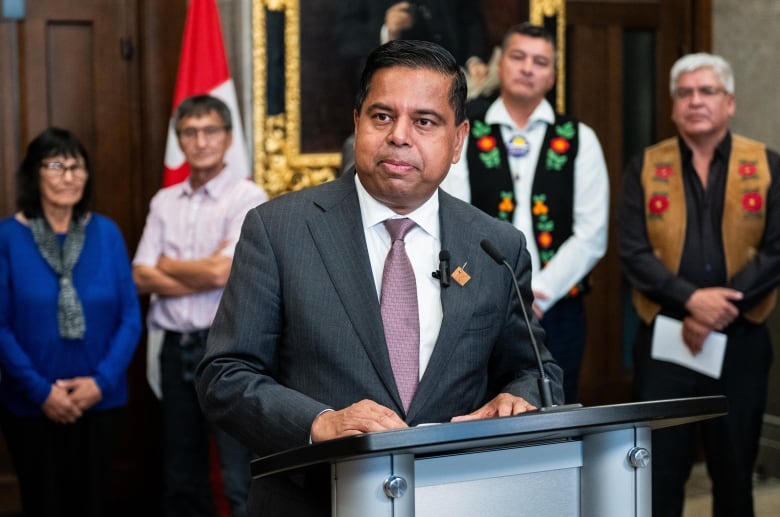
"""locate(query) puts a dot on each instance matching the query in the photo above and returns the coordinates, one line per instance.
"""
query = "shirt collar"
(724, 147)
(722, 150)
(214, 188)
(373, 212)
(498, 114)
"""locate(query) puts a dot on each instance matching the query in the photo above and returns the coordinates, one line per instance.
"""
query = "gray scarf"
(70, 314)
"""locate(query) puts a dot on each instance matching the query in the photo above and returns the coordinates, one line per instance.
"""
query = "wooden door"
(80, 72)
(618, 57)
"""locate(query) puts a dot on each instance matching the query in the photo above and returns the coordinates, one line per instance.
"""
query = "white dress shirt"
(422, 246)
(588, 242)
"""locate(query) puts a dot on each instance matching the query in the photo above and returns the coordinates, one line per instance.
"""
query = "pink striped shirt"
(187, 225)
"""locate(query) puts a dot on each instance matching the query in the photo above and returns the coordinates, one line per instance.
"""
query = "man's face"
(701, 107)
(406, 137)
(526, 69)
(204, 141)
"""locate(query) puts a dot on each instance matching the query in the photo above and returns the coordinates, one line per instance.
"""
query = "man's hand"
(504, 404)
(537, 310)
(694, 333)
(83, 391)
(59, 407)
(477, 69)
(365, 416)
(711, 306)
(398, 19)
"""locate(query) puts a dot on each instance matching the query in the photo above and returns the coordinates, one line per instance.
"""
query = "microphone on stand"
(544, 382)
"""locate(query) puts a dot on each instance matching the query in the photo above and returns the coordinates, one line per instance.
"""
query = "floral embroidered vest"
(552, 193)
(744, 212)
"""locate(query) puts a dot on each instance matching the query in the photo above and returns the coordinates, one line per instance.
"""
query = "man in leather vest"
(544, 173)
(700, 243)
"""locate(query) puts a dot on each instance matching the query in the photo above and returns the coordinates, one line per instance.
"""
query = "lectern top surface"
(527, 428)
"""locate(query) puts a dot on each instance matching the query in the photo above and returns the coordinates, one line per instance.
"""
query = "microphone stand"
(545, 390)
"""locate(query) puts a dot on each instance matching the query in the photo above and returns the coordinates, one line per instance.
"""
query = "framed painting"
(303, 88)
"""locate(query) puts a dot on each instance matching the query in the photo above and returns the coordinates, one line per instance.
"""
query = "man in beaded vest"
(700, 242)
(544, 173)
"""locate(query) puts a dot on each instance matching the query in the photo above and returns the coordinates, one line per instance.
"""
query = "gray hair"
(692, 62)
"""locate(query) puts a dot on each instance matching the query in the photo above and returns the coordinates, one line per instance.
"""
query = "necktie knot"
(398, 228)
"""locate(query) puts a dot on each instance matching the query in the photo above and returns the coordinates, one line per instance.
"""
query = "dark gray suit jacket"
(299, 328)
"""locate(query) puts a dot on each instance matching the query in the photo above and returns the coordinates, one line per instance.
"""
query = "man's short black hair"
(416, 54)
(200, 105)
(530, 30)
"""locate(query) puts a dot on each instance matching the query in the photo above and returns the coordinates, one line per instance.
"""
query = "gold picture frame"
(280, 163)
(547, 12)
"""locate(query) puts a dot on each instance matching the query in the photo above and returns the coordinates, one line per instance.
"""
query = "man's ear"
(460, 137)
(355, 119)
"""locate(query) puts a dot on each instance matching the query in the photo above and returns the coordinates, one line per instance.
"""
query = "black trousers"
(730, 443)
(564, 327)
(187, 438)
(64, 470)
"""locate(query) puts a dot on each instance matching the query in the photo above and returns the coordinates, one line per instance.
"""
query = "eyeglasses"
(705, 92)
(209, 132)
(57, 170)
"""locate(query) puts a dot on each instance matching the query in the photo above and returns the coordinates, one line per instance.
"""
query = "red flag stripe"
(203, 69)
(203, 64)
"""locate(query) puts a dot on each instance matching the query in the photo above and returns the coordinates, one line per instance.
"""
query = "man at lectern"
(700, 244)
(332, 323)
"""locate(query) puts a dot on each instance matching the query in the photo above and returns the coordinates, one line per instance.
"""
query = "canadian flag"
(203, 69)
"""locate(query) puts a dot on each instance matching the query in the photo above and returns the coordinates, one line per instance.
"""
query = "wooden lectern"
(586, 461)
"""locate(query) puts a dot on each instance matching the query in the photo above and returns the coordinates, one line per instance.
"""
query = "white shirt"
(588, 242)
(422, 246)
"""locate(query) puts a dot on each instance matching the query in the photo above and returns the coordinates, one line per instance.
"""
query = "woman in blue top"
(69, 325)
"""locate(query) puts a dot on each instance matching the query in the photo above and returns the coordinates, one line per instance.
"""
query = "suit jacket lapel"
(337, 231)
(459, 237)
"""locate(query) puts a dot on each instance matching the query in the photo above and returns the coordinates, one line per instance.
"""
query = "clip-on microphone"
(443, 274)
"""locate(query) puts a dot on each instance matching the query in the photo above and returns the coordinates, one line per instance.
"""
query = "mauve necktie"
(399, 311)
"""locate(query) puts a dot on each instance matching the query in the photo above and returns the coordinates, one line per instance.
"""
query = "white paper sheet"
(154, 341)
(668, 345)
